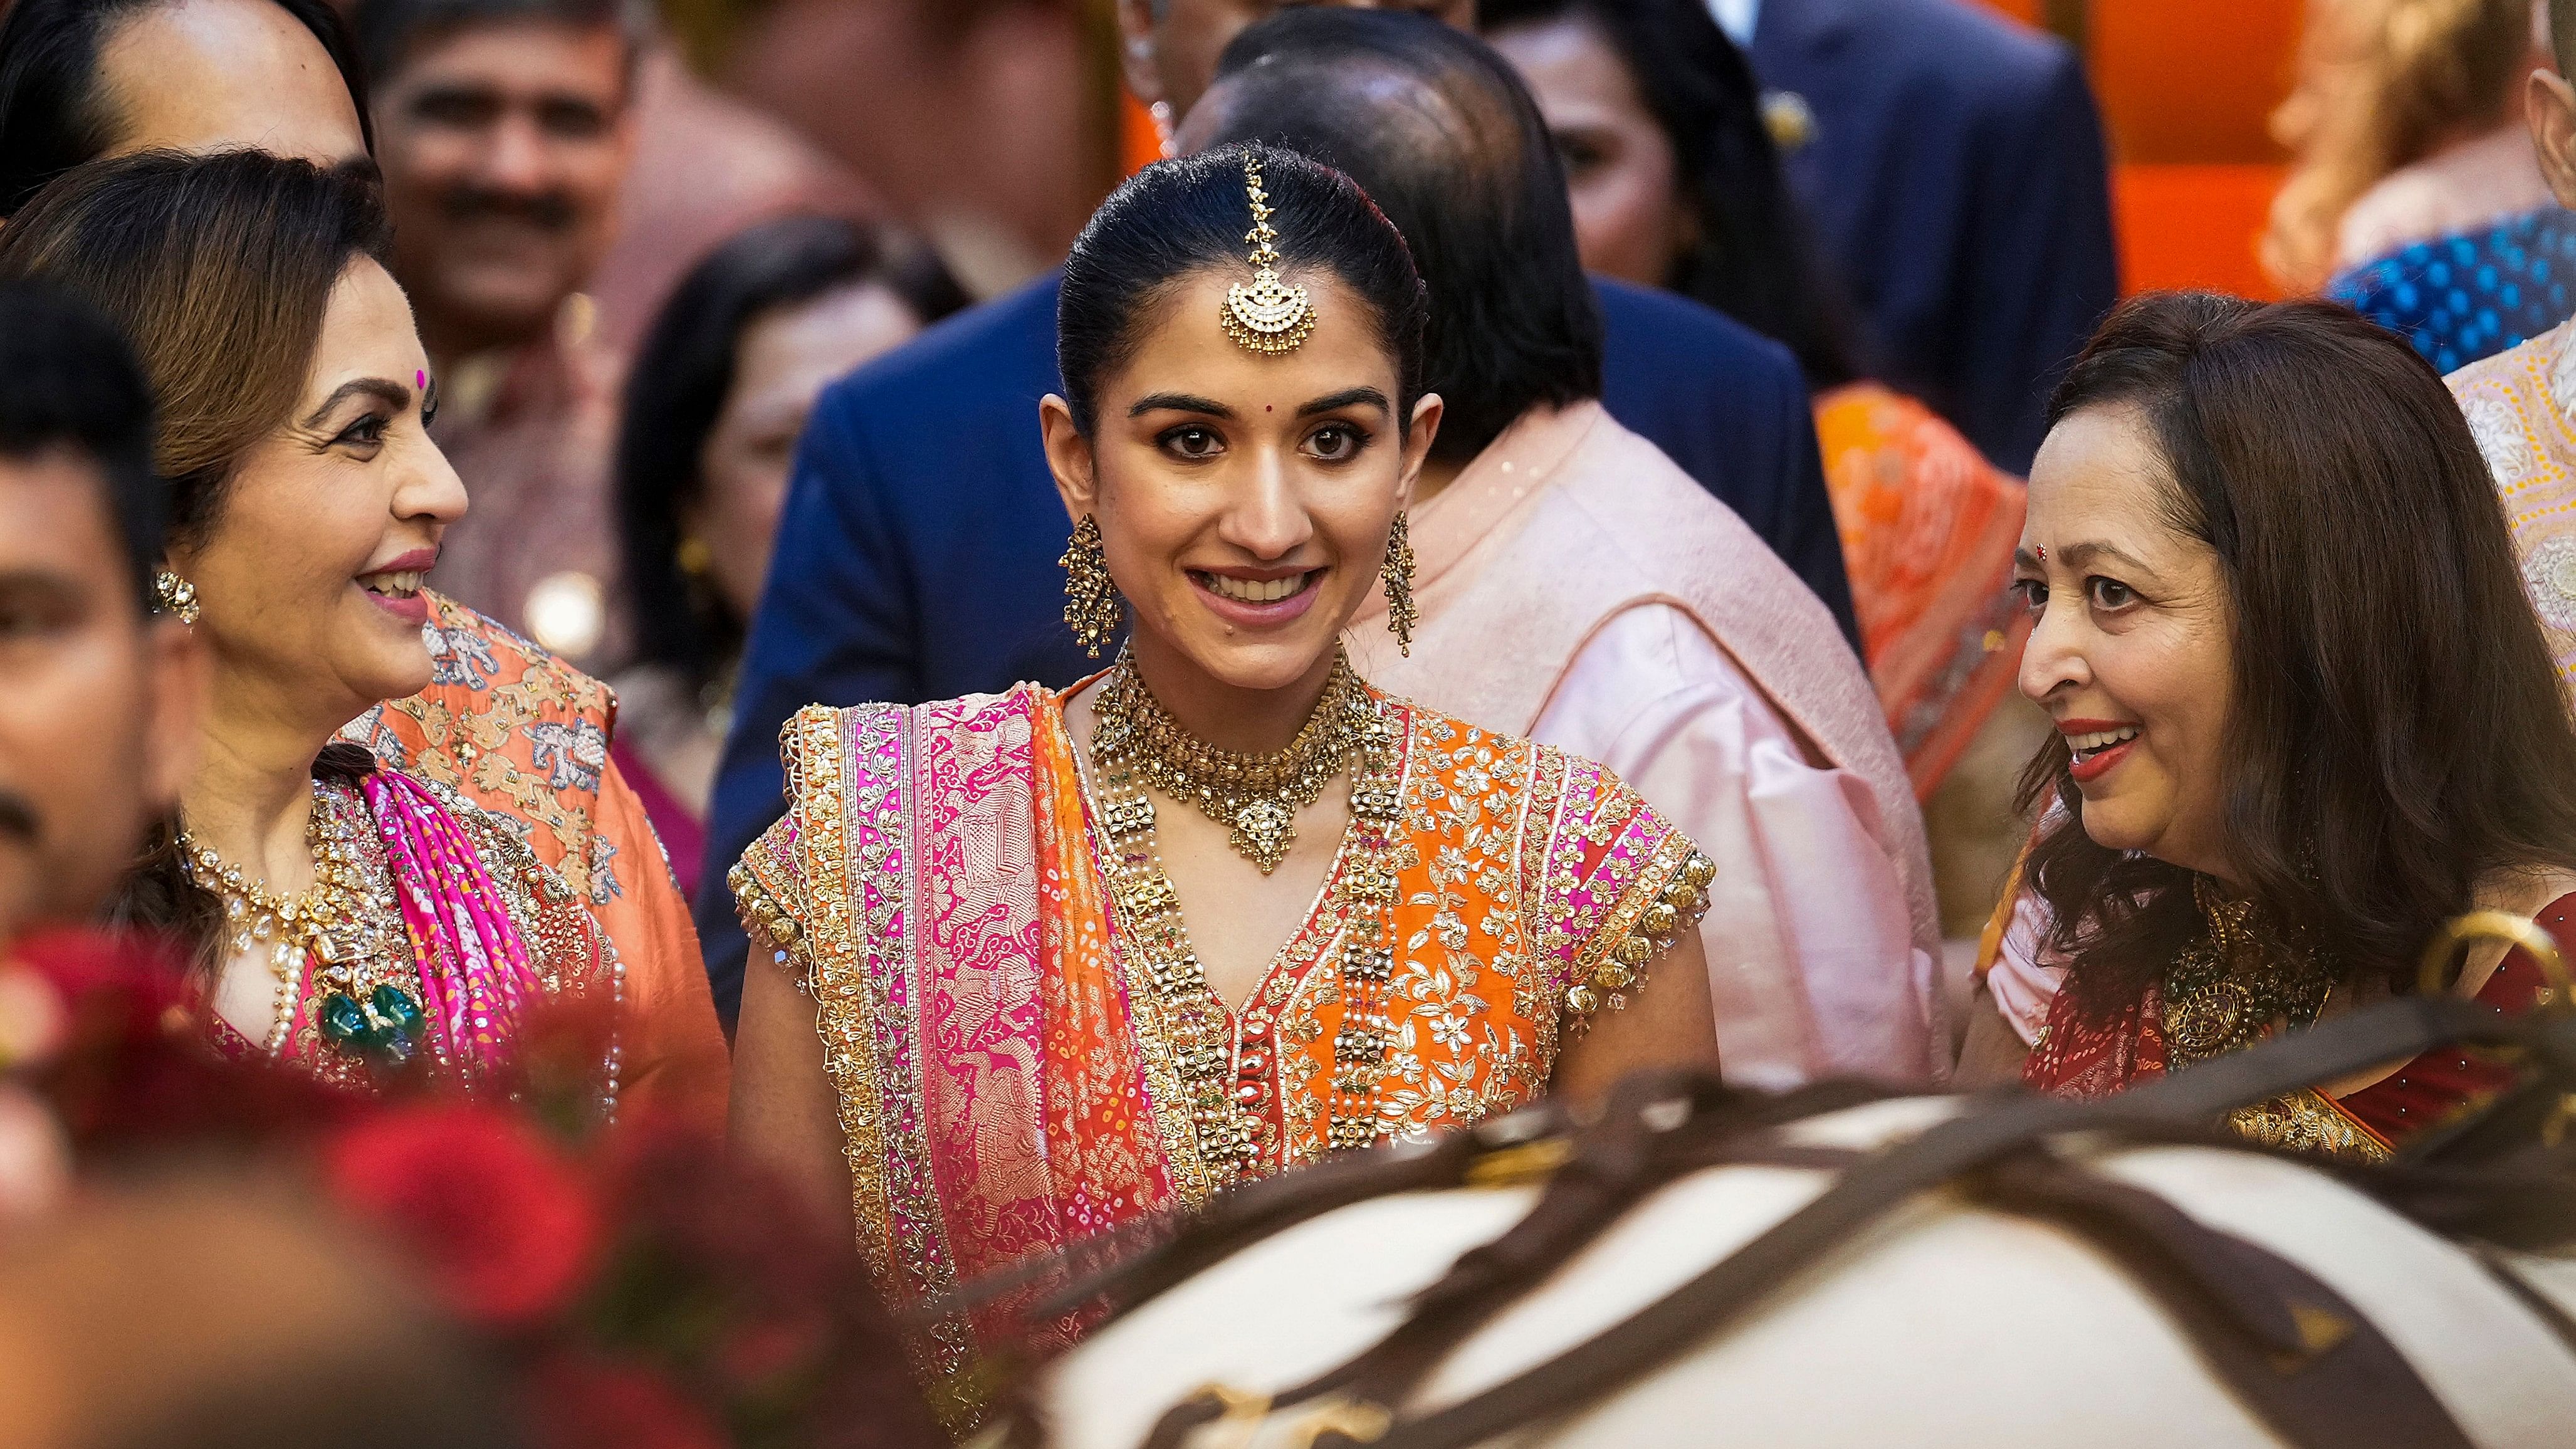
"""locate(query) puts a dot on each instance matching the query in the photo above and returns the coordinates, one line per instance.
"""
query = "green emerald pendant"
(384, 1029)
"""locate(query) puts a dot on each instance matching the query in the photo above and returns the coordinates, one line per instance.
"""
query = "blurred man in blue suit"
(1953, 166)
(917, 555)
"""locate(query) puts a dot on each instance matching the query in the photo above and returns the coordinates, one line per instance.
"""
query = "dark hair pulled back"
(1439, 131)
(1176, 219)
(2398, 732)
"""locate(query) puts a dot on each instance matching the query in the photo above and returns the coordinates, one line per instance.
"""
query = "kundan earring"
(1397, 572)
(176, 596)
(1091, 604)
(1161, 112)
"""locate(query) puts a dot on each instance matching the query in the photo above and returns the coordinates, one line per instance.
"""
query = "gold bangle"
(2431, 978)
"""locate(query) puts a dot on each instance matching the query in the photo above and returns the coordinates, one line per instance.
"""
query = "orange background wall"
(2186, 87)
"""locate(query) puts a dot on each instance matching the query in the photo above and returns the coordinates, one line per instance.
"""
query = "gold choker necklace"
(1256, 797)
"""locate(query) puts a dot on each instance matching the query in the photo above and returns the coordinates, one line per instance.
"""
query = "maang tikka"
(1268, 315)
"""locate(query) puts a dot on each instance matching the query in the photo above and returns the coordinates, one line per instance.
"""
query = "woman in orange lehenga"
(1042, 932)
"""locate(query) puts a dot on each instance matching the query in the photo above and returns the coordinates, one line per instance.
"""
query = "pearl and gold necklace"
(338, 922)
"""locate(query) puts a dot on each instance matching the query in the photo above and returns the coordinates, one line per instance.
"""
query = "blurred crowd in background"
(641, 245)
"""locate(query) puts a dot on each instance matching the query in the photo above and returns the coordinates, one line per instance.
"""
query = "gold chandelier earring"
(1397, 572)
(176, 596)
(1091, 603)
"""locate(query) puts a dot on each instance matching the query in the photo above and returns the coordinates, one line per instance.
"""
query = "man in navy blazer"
(1952, 164)
(917, 555)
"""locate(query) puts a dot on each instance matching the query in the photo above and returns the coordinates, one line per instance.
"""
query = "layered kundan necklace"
(1257, 797)
(339, 927)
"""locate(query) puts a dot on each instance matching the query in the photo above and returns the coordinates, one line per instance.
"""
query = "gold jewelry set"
(339, 925)
(1266, 316)
(2230, 985)
(1256, 797)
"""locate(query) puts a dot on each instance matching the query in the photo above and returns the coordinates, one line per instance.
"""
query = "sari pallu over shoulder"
(903, 887)
(1007, 1075)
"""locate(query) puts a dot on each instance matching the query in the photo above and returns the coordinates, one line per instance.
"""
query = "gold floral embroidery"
(2305, 1121)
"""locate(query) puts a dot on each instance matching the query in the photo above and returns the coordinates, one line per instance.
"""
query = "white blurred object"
(567, 612)
(1943, 1326)
(35, 1158)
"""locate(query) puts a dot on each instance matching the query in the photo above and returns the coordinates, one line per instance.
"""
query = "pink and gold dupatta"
(974, 1024)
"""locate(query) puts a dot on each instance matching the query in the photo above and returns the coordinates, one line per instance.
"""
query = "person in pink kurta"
(1577, 587)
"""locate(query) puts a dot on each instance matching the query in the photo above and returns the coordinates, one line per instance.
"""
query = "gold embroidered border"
(1672, 856)
(1535, 997)
(1167, 1095)
(2307, 1121)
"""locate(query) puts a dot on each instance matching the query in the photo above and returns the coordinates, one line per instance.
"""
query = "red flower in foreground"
(499, 1219)
(594, 1404)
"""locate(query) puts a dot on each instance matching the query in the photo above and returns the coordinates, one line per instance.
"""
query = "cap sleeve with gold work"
(777, 882)
(1610, 889)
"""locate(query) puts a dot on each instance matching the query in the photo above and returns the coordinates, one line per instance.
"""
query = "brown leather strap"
(2301, 1357)
(1645, 1342)
(1990, 1139)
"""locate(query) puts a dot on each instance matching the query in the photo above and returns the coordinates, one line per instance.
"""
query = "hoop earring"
(176, 596)
(1397, 572)
(1091, 602)
(1161, 111)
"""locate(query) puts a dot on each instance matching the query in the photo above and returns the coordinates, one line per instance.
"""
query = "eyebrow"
(2079, 555)
(1184, 402)
(1179, 402)
(393, 393)
(1348, 397)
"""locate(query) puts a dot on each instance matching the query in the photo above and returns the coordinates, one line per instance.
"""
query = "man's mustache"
(549, 210)
(18, 818)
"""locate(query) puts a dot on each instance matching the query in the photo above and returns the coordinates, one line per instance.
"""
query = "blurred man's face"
(204, 75)
(98, 702)
(1171, 46)
(503, 147)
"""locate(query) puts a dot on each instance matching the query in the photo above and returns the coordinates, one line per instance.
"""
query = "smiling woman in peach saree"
(1048, 962)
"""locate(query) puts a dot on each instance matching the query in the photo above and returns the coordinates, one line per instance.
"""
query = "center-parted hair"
(1439, 130)
(1176, 220)
(2399, 730)
(218, 269)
